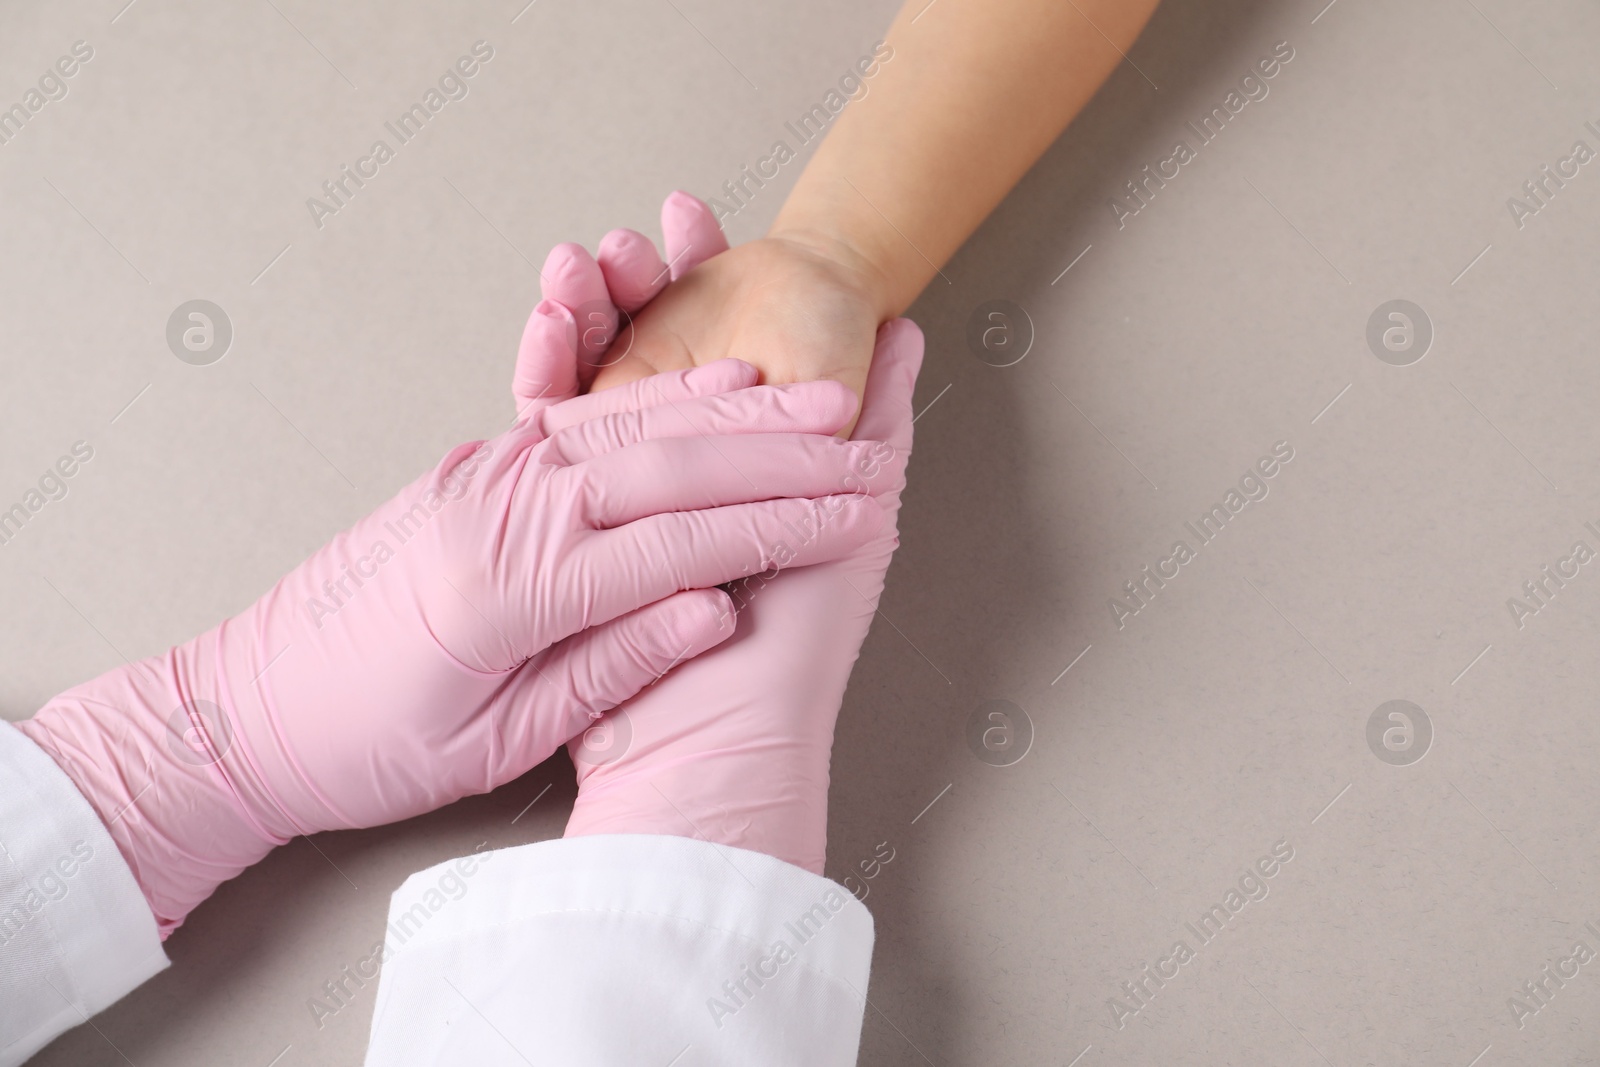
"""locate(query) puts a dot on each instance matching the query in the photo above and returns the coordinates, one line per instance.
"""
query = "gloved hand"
(461, 632)
(734, 747)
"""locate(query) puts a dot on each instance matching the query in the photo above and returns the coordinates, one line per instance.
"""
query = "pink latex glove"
(735, 746)
(461, 632)
(590, 297)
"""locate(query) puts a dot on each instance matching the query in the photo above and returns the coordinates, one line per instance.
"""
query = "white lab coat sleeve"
(621, 949)
(75, 931)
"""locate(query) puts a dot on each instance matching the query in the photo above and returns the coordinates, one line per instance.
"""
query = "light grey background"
(1229, 714)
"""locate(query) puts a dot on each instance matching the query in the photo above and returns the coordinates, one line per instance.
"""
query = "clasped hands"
(532, 582)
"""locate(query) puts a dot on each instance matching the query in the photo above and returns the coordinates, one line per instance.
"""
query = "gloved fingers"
(886, 410)
(572, 278)
(547, 360)
(633, 269)
(725, 375)
(616, 571)
(690, 233)
(692, 473)
(821, 407)
(561, 693)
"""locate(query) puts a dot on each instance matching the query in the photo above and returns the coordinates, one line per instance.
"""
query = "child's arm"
(963, 98)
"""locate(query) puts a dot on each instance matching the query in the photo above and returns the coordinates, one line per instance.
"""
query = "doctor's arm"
(684, 919)
(444, 644)
(688, 887)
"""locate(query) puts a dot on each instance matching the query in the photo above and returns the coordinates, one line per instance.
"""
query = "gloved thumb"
(561, 694)
(886, 412)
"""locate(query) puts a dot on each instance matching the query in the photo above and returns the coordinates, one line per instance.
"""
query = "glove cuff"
(153, 778)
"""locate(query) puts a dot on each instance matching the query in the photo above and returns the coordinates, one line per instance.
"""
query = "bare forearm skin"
(976, 91)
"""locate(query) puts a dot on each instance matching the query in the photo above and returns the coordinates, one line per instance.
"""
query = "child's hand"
(795, 308)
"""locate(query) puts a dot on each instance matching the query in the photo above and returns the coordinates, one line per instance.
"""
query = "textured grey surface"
(1230, 714)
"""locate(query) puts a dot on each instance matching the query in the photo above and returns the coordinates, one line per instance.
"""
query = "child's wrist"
(860, 266)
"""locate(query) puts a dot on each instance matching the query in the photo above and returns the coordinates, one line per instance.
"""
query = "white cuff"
(620, 949)
(75, 931)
